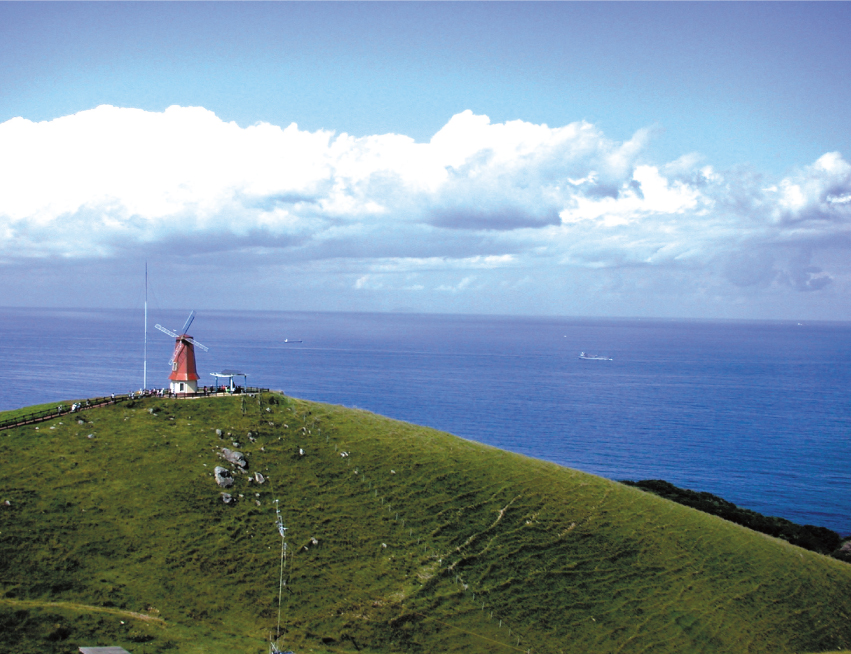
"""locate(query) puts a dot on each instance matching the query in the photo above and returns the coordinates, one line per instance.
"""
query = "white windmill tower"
(184, 377)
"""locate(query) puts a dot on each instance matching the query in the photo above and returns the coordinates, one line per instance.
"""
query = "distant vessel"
(593, 357)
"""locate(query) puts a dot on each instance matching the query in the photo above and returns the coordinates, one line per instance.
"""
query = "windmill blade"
(178, 347)
(166, 331)
(188, 322)
(196, 343)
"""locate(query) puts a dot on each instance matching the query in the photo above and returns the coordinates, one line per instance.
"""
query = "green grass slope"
(417, 541)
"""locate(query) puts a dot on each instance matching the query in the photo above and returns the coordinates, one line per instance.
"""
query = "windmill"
(184, 378)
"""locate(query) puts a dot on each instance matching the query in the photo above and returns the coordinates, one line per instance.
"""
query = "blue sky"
(653, 159)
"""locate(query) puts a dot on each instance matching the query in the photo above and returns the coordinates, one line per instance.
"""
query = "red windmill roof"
(183, 363)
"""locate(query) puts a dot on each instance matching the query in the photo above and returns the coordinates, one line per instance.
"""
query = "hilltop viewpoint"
(117, 529)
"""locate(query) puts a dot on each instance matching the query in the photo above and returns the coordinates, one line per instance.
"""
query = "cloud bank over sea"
(493, 210)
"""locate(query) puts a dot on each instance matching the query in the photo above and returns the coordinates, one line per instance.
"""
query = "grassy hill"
(810, 537)
(417, 541)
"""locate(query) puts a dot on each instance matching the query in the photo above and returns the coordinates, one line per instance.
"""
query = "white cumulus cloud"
(478, 195)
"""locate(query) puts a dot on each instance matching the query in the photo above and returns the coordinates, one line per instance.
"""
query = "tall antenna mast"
(279, 523)
(145, 366)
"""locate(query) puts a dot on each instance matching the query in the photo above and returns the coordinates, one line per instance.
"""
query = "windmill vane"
(184, 376)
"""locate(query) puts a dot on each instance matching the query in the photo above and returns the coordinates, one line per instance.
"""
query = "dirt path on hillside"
(82, 608)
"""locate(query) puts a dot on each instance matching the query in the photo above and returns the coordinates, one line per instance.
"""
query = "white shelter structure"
(229, 376)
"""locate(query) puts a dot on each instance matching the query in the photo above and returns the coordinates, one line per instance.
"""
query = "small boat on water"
(593, 357)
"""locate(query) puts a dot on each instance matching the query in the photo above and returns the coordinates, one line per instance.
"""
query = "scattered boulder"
(90, 436)
(223, 477)
(234, 457)
(235, 444)
(219, 433)
(81, 422)
(227, 498)
(259, 478)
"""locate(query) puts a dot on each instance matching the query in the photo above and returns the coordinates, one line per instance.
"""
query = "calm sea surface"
(758, 413)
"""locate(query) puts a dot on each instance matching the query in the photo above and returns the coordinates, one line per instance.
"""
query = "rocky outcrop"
(223, 477)
(234, 457)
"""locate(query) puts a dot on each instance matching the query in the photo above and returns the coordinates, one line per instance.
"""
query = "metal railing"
(204, 391)
(63, 409)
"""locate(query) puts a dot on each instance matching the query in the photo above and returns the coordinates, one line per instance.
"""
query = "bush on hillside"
(811, 537)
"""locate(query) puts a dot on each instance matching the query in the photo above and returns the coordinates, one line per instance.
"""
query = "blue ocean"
(756, 412)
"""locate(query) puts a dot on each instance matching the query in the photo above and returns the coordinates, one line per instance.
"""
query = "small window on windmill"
(173, 366)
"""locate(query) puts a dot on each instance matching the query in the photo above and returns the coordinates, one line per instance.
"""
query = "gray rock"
(218, 432)
(259, 478)
(227, 498)
(223, 477)
(234, 457)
